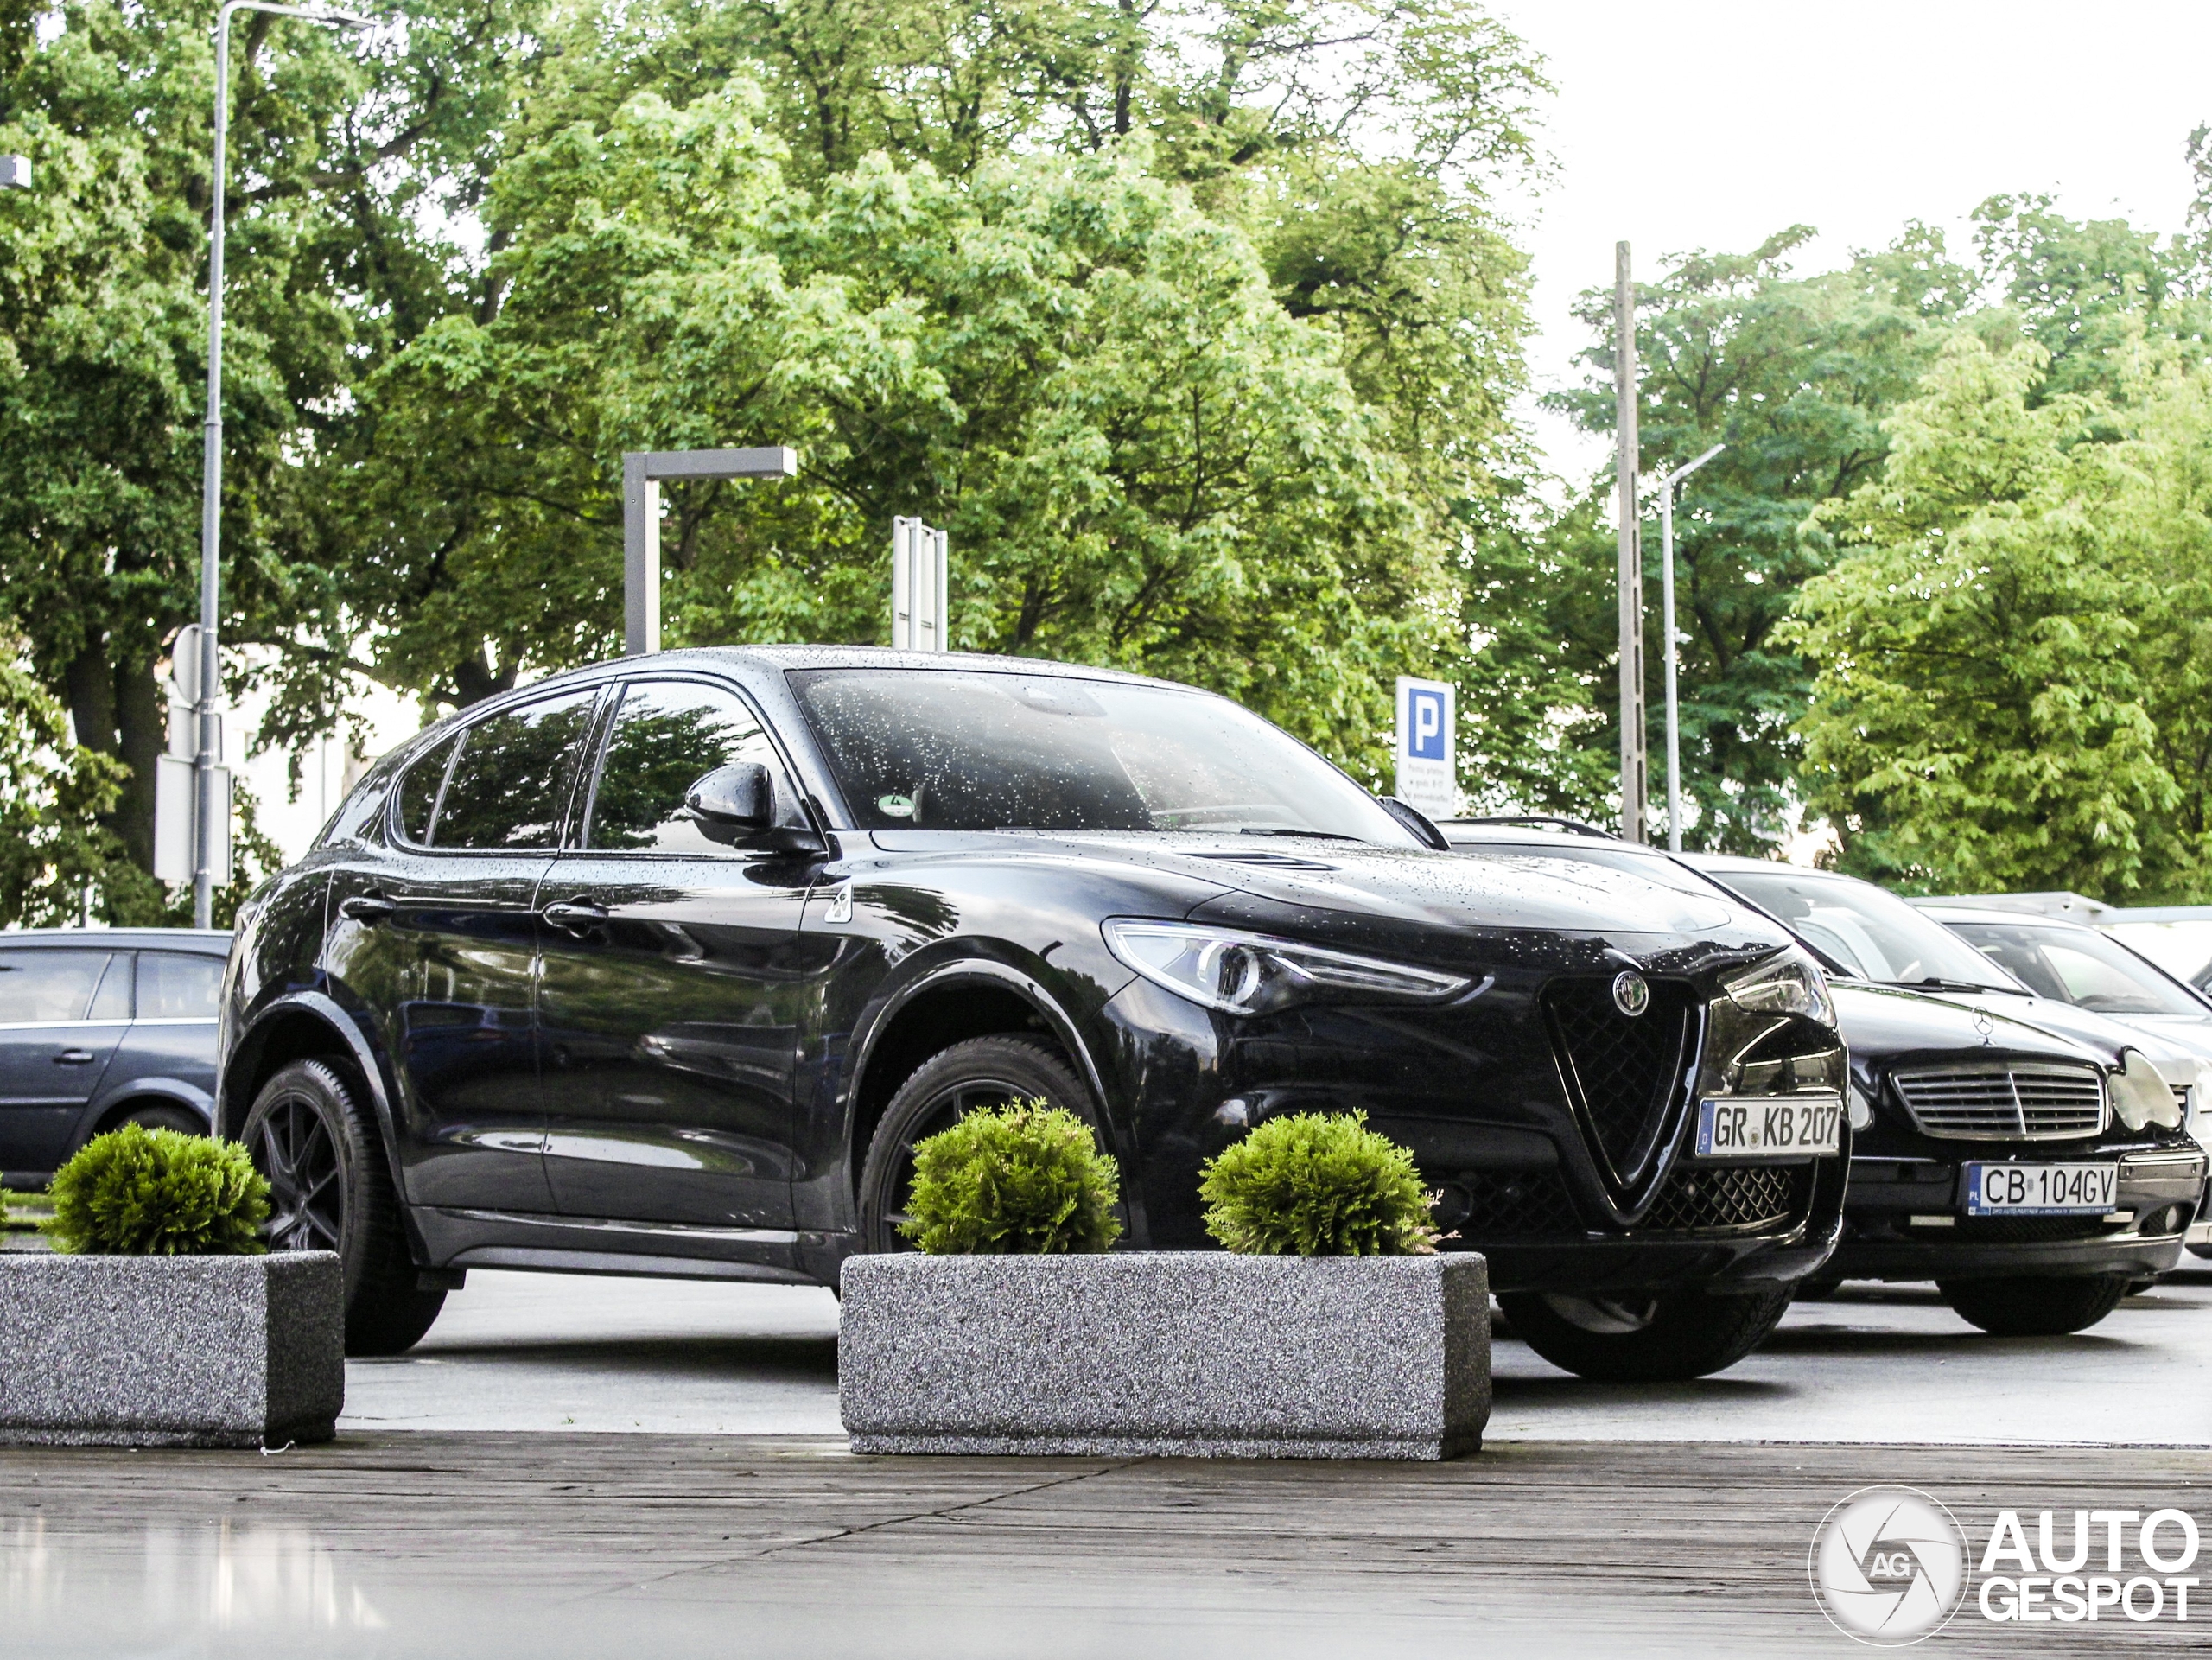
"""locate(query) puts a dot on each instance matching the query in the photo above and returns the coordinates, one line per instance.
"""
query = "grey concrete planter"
(170, 1351)
(1196, 1353)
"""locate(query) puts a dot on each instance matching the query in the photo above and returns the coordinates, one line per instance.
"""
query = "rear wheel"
(981, 1072)
(2033, 1306)
(160, 1115)
(1645, 1338)
(311, 1134)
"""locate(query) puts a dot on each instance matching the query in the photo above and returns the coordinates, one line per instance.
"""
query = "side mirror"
(732, 801)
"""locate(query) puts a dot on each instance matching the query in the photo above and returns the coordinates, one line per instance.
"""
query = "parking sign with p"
(1427, 776)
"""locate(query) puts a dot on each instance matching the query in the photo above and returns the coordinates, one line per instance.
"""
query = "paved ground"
(552, 1546)
(1875, 1364)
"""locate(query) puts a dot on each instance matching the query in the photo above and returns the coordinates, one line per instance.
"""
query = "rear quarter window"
(175, 985)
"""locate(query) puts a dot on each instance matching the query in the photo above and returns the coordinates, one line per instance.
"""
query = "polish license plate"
(2040, 1189)
(1769, 1126)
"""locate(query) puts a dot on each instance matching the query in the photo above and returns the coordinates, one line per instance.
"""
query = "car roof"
(1948, 913)
(211, 942)
(782, 659)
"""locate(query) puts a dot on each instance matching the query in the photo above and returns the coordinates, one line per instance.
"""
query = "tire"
(162, 1115)
(2033, 1306)
(981, 1072)
(1820, 1288)
(312, 1135)
(1647, 1339)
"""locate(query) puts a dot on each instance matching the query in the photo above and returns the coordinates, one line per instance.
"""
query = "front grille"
(2029, 1229)
(1698, 1198)
(1623, 1072)
(2021, 1102)
(1514, 1205)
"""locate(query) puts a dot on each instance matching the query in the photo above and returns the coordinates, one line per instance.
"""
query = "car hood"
(1883, 1027)
(2176, 1061)
(1313, 883)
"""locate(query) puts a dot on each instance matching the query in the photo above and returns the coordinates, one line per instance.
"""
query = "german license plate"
(2040, 1189)
(1769, 1126)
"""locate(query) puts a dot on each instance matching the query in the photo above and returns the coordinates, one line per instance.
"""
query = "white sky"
(1710, 124)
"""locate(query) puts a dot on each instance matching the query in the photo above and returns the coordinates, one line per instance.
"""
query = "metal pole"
(943, 562)
(211, 515)
(641, 556)
(1667, 607)
(1630, 570)
(206, 810)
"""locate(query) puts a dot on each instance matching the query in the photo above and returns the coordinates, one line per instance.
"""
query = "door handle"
(366, 907)
(74, 1058)
(575, 916)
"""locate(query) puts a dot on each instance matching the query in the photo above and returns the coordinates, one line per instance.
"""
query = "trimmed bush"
(1313, 1184)
(1025, 1180)
(136, 1192)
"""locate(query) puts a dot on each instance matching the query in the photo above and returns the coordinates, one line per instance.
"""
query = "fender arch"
(880, 1067)
(300, 1025)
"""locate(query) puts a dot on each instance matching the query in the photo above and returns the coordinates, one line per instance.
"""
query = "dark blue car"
(100, 1028)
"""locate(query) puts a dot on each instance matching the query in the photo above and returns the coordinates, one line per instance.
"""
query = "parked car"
(663, 967)
(2032, 1174)
(100, 1028)
(2090, 968)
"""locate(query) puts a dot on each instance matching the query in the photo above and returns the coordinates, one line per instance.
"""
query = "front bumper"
(1902, 1221)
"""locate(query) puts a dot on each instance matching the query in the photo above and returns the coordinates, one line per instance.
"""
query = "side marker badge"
(841, 905)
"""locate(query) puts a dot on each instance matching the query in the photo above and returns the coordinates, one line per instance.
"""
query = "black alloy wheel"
(314, 1136)
(292, 1147)
(981, 1072)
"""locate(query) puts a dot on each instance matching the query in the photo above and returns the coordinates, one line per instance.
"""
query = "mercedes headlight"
(1788, 982)
(1252, 974)
(2140, 1095)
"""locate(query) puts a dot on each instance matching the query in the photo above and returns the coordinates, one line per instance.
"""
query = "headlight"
(1252, 974)
(1789, 982)
(2140, 1097)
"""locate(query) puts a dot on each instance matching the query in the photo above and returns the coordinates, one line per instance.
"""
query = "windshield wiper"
(1932, 982)
(1273, 830)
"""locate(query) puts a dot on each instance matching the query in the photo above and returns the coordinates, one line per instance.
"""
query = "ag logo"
(1632, 993)
(1889, 1566)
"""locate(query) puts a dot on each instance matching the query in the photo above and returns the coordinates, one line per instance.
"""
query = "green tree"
(2013, 652)
(102, 307)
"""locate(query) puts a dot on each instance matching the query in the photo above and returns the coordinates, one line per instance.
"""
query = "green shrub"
(136, 1192)
(1314, 1184)
(1025, 1180)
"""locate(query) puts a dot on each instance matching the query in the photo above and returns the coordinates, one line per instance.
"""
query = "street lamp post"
(205, 826)
(1667, 624)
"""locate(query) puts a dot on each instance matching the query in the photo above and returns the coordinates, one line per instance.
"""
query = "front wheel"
(311, 1134)
(2033, 1306)
(981, 1072)
(1644, 1338)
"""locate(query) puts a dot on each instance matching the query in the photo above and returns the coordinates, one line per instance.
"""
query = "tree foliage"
(2013, 651)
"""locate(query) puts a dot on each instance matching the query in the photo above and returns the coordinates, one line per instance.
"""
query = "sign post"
(1428, 736)
(642, 473)
(919, 599)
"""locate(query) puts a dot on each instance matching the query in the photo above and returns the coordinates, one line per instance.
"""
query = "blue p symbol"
(1425, 724)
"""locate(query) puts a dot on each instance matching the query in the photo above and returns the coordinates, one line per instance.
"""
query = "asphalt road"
(1875, 1364)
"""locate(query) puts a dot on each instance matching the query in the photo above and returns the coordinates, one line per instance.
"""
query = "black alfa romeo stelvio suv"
(663, 967)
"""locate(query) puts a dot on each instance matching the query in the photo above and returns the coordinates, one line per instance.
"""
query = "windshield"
(973, 750)
(2079, 965)
(1873, 933)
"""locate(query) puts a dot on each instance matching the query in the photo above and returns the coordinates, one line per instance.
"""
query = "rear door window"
(667, 737)
(175, 986)
(509, 784)
(47, 987)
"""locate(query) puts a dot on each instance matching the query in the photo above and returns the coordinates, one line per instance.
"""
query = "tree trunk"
(142, 730)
